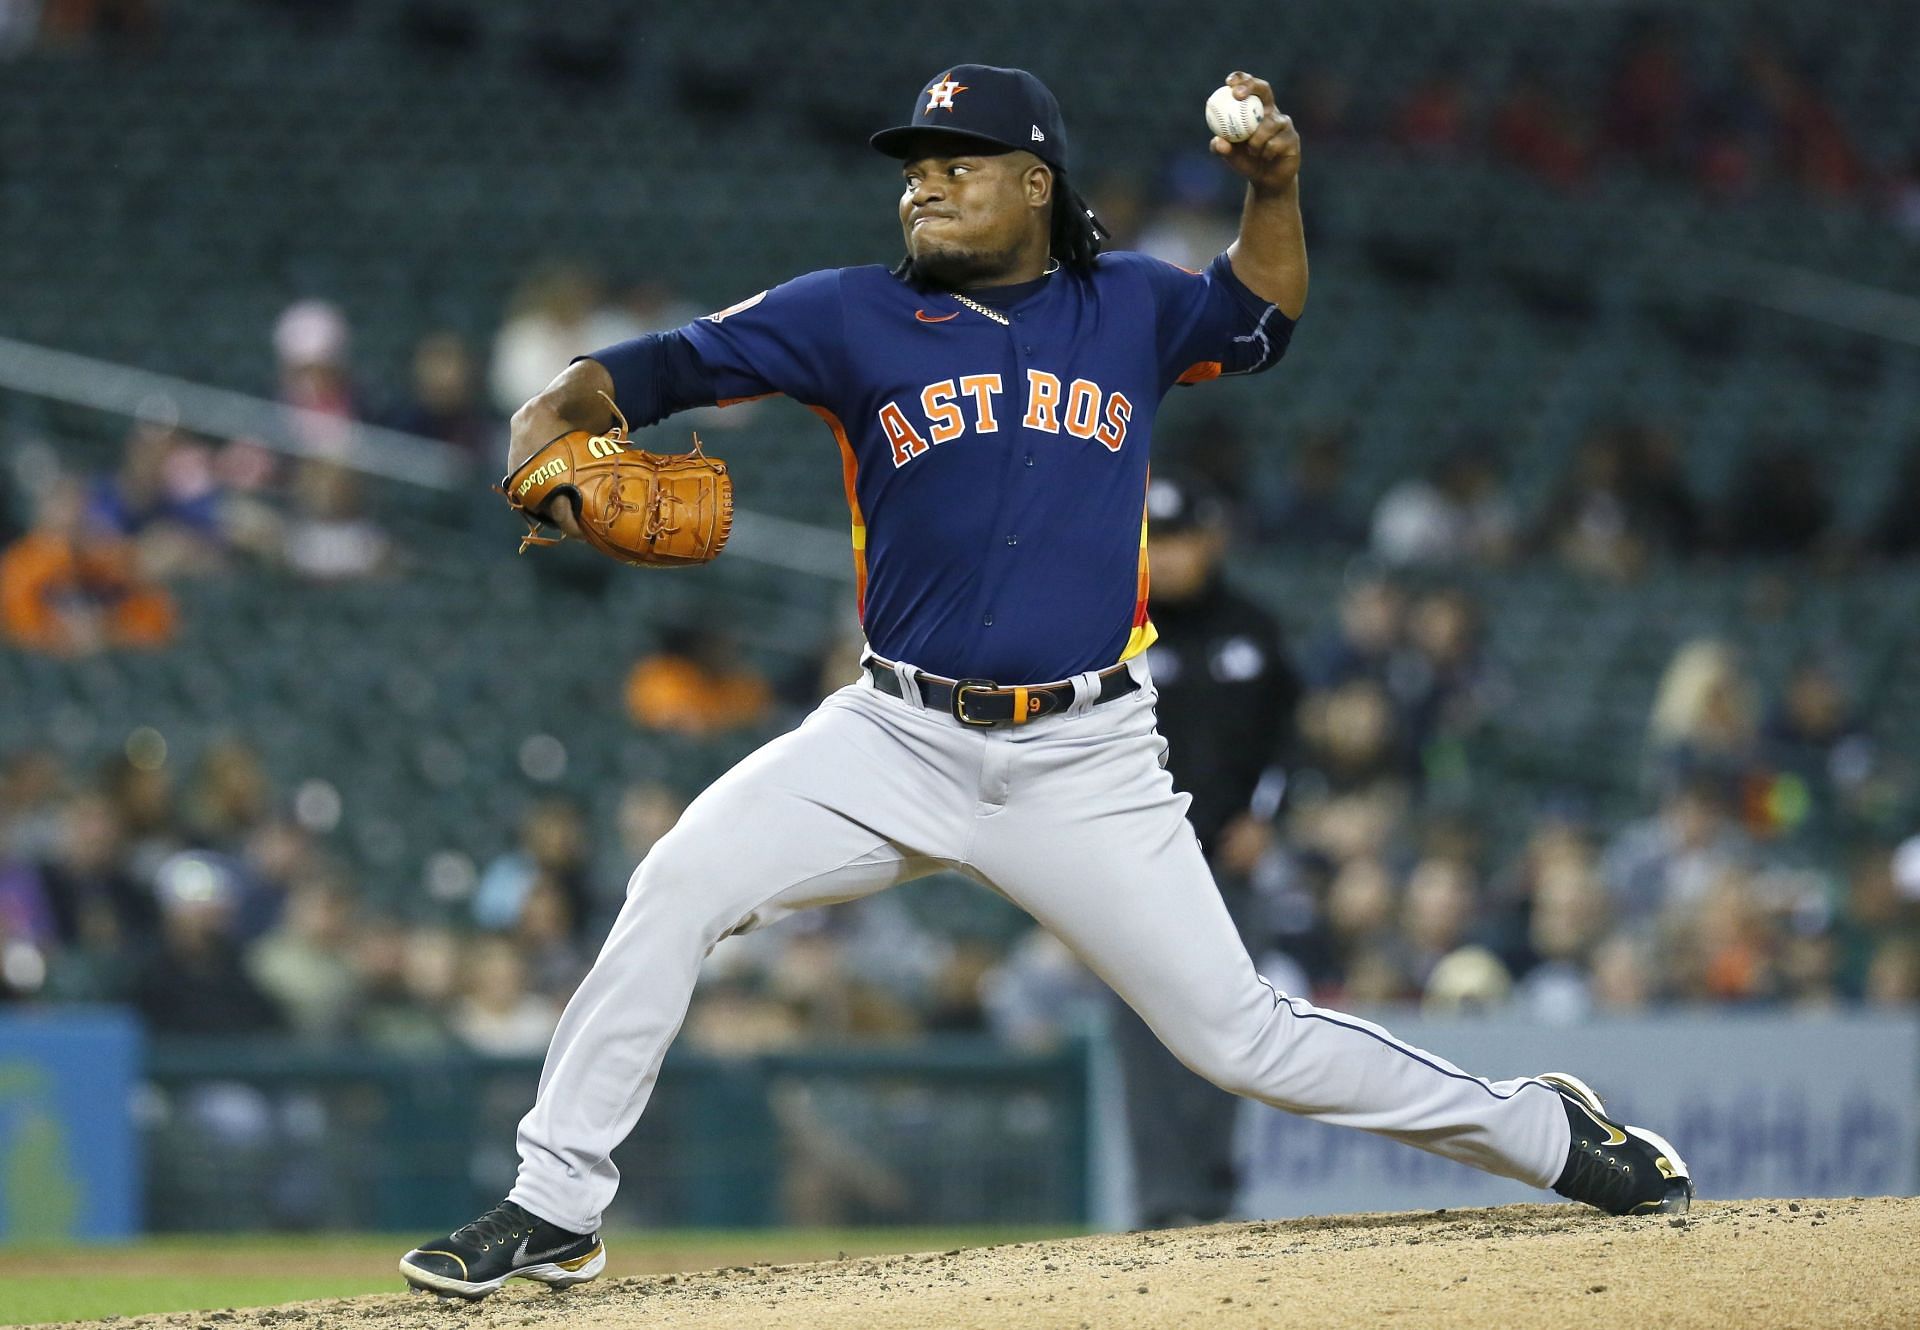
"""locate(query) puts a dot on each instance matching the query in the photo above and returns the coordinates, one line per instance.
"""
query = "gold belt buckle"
(958, 703)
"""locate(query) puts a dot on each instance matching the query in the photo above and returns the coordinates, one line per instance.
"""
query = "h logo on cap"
(940, 94)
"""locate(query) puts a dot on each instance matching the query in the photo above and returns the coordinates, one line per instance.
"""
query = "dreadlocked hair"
(1074, 235)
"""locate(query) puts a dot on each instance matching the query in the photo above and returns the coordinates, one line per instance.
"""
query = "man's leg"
(853, 801)
(1093, 842)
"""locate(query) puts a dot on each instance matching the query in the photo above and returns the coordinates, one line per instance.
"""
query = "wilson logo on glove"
(657, 510)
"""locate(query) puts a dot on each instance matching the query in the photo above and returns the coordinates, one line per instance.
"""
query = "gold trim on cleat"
(579, 1261)
(435, 1251)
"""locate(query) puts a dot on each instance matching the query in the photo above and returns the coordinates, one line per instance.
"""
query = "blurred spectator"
(1780, 505)
(305, 964)
(1814, 739)
(1362, 905)
(1893, 976)
(1039, 993)
(1706, 716)
(697, 684)
(546, 934)
(310, 343)
(1568, 920)
(1433, 117)
(231, 795)
(1458, 513)
(552, 854)
(1673, 857)
(1726, 942)
(444, 402)
(1623, 501)
(1624, 975)
(1311, 511)
(330, 537)
(76, 908)
(1468, 980)
(497, 1013)
(1444, 687)
(32, 781)
(1438, 909)
(1372, 620)
(96, 904)
(557, 314)
(142, 795)
(1535, 130)
(1896, 531)
(68, 590)
(407, 979)
(164, 498)
(193, 982)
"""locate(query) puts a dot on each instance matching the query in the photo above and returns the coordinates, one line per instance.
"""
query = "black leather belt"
(984, 702)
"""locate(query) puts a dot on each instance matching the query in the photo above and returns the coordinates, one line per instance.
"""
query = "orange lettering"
(1083, 408)
(983, 388)
(907, 445)
(1043, 401)
(1113, 431)
(943, 413)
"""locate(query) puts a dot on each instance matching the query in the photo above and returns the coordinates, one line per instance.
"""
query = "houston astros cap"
(1007, 107)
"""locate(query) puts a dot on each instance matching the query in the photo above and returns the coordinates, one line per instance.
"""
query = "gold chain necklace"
(979, 308)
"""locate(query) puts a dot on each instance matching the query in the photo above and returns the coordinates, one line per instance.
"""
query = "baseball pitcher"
(993, 398)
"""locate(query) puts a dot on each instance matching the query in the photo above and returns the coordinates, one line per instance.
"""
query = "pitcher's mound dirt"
(1752, 1264)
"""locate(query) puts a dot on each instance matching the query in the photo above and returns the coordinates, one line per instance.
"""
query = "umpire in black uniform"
(1227, 699)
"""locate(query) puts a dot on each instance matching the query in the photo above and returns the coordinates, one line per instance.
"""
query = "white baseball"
(1230, 117)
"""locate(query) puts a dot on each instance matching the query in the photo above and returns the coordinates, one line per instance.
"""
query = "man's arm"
(1270, 255)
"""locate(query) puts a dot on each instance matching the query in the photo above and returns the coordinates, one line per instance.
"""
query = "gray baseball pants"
(1073, 818)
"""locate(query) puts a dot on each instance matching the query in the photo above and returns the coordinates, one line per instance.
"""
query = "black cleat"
(1622, 1170)
(504, 1243)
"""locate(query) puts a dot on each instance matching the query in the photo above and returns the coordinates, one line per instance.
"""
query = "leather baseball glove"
(653, 509)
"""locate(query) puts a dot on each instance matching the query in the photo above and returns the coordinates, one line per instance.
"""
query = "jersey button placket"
(1022, 350)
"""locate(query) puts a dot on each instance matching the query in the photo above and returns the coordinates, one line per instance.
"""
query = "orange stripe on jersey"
(1143, 634)
(849, 473)
(1200, 371)
(735, 401)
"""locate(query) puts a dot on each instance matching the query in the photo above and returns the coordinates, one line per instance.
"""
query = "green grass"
(206, 1273)
(25, 1299)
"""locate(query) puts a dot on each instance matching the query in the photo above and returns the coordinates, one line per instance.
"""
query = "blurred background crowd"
(1578, 684)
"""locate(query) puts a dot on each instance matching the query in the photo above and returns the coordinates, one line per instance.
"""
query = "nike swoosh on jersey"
(925, 317)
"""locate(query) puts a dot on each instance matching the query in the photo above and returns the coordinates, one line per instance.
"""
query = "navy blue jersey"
(996, 472)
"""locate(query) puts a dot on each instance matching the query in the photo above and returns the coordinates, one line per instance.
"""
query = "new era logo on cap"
(1038, 137)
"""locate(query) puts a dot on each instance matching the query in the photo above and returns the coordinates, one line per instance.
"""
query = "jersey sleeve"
(790, 339)
(1209, 323)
